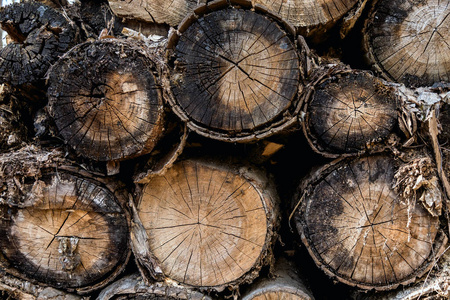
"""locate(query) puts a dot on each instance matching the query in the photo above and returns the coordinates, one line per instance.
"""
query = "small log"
(59, 228)
(349, 112)
(134, 287)
(105, 99)
(235, 74)
(39, 35)
(284, 283)
(406, 41)
(159, 11)
(209, 225)
(361, 230)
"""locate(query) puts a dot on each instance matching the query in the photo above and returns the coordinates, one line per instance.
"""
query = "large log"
(406, 41)
(59, 228)
(106, 101)
(209, 225)
(349, 112)
(235, 74)
(361, 230)
(39, 36)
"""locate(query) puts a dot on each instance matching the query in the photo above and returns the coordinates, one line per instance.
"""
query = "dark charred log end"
(248, 88)
(359, 231)
(106, 100)
(350, 113)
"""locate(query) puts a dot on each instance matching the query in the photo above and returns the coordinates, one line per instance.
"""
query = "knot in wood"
(69, 258)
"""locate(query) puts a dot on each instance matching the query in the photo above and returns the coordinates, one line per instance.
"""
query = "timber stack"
(244, 149)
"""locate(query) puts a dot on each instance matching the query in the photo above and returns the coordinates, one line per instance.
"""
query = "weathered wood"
(235, 73)
(361, 230)
(155, 11)
(209, 225)
(105, 99)
(39, 35)
(284, 283)
(134, 287)
(59, 228)
(407, 41)
(349, 112)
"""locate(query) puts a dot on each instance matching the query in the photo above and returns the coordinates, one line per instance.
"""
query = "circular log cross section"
(235, 72)
(105, 99)
(356, 228)
(208, 226)
(39, 36)
(305, 13)
(72, 235)
(409, 40)
(348, 112)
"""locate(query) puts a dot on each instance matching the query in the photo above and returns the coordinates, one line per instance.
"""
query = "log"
(209, 225)
(406, 41)
(364, 224)
(235, 73)
(159, 11)
(39, 36)
(134, 287)
(284, 283)
(349, 112)
(58, 227)
(105, 99)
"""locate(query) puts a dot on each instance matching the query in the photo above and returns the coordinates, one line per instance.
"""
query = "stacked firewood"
(225, 149)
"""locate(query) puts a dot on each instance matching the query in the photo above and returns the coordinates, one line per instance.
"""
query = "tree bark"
(361, 230)
(105, 99)
(284, 283)
(349, 112)
(59, 228)
(407, 41)
(134, 287)
(39, 36)
(209, 225)
(233, 81)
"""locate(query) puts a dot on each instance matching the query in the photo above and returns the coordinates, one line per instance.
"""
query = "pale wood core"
(235, 70)
(409, 40)
(73, 236)
(308, 13)
(206, 225)
(358, 230)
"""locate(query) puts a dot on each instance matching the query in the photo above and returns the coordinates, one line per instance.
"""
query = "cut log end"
(357, 230)
(408, 41)
(207, 225)
(105, 99)
(70, 233)
(235, 72)
(348, 112)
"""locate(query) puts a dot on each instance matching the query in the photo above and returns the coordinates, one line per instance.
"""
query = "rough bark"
(284, 283)
(349, 112)
(363, 231)
(407, 41)
(134, 287)
(105, 99)
(235, 74)
(155, 11)
(209, 225)
(39, 35)
(60, 228)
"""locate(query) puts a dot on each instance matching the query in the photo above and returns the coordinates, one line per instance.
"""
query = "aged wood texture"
(156, 11)
(359, 230)
(284, 283)
(407, 40)
(348, 112)
(209, 225)
(236, 74)
(135, 287)
(39, 35)
(105, 99)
